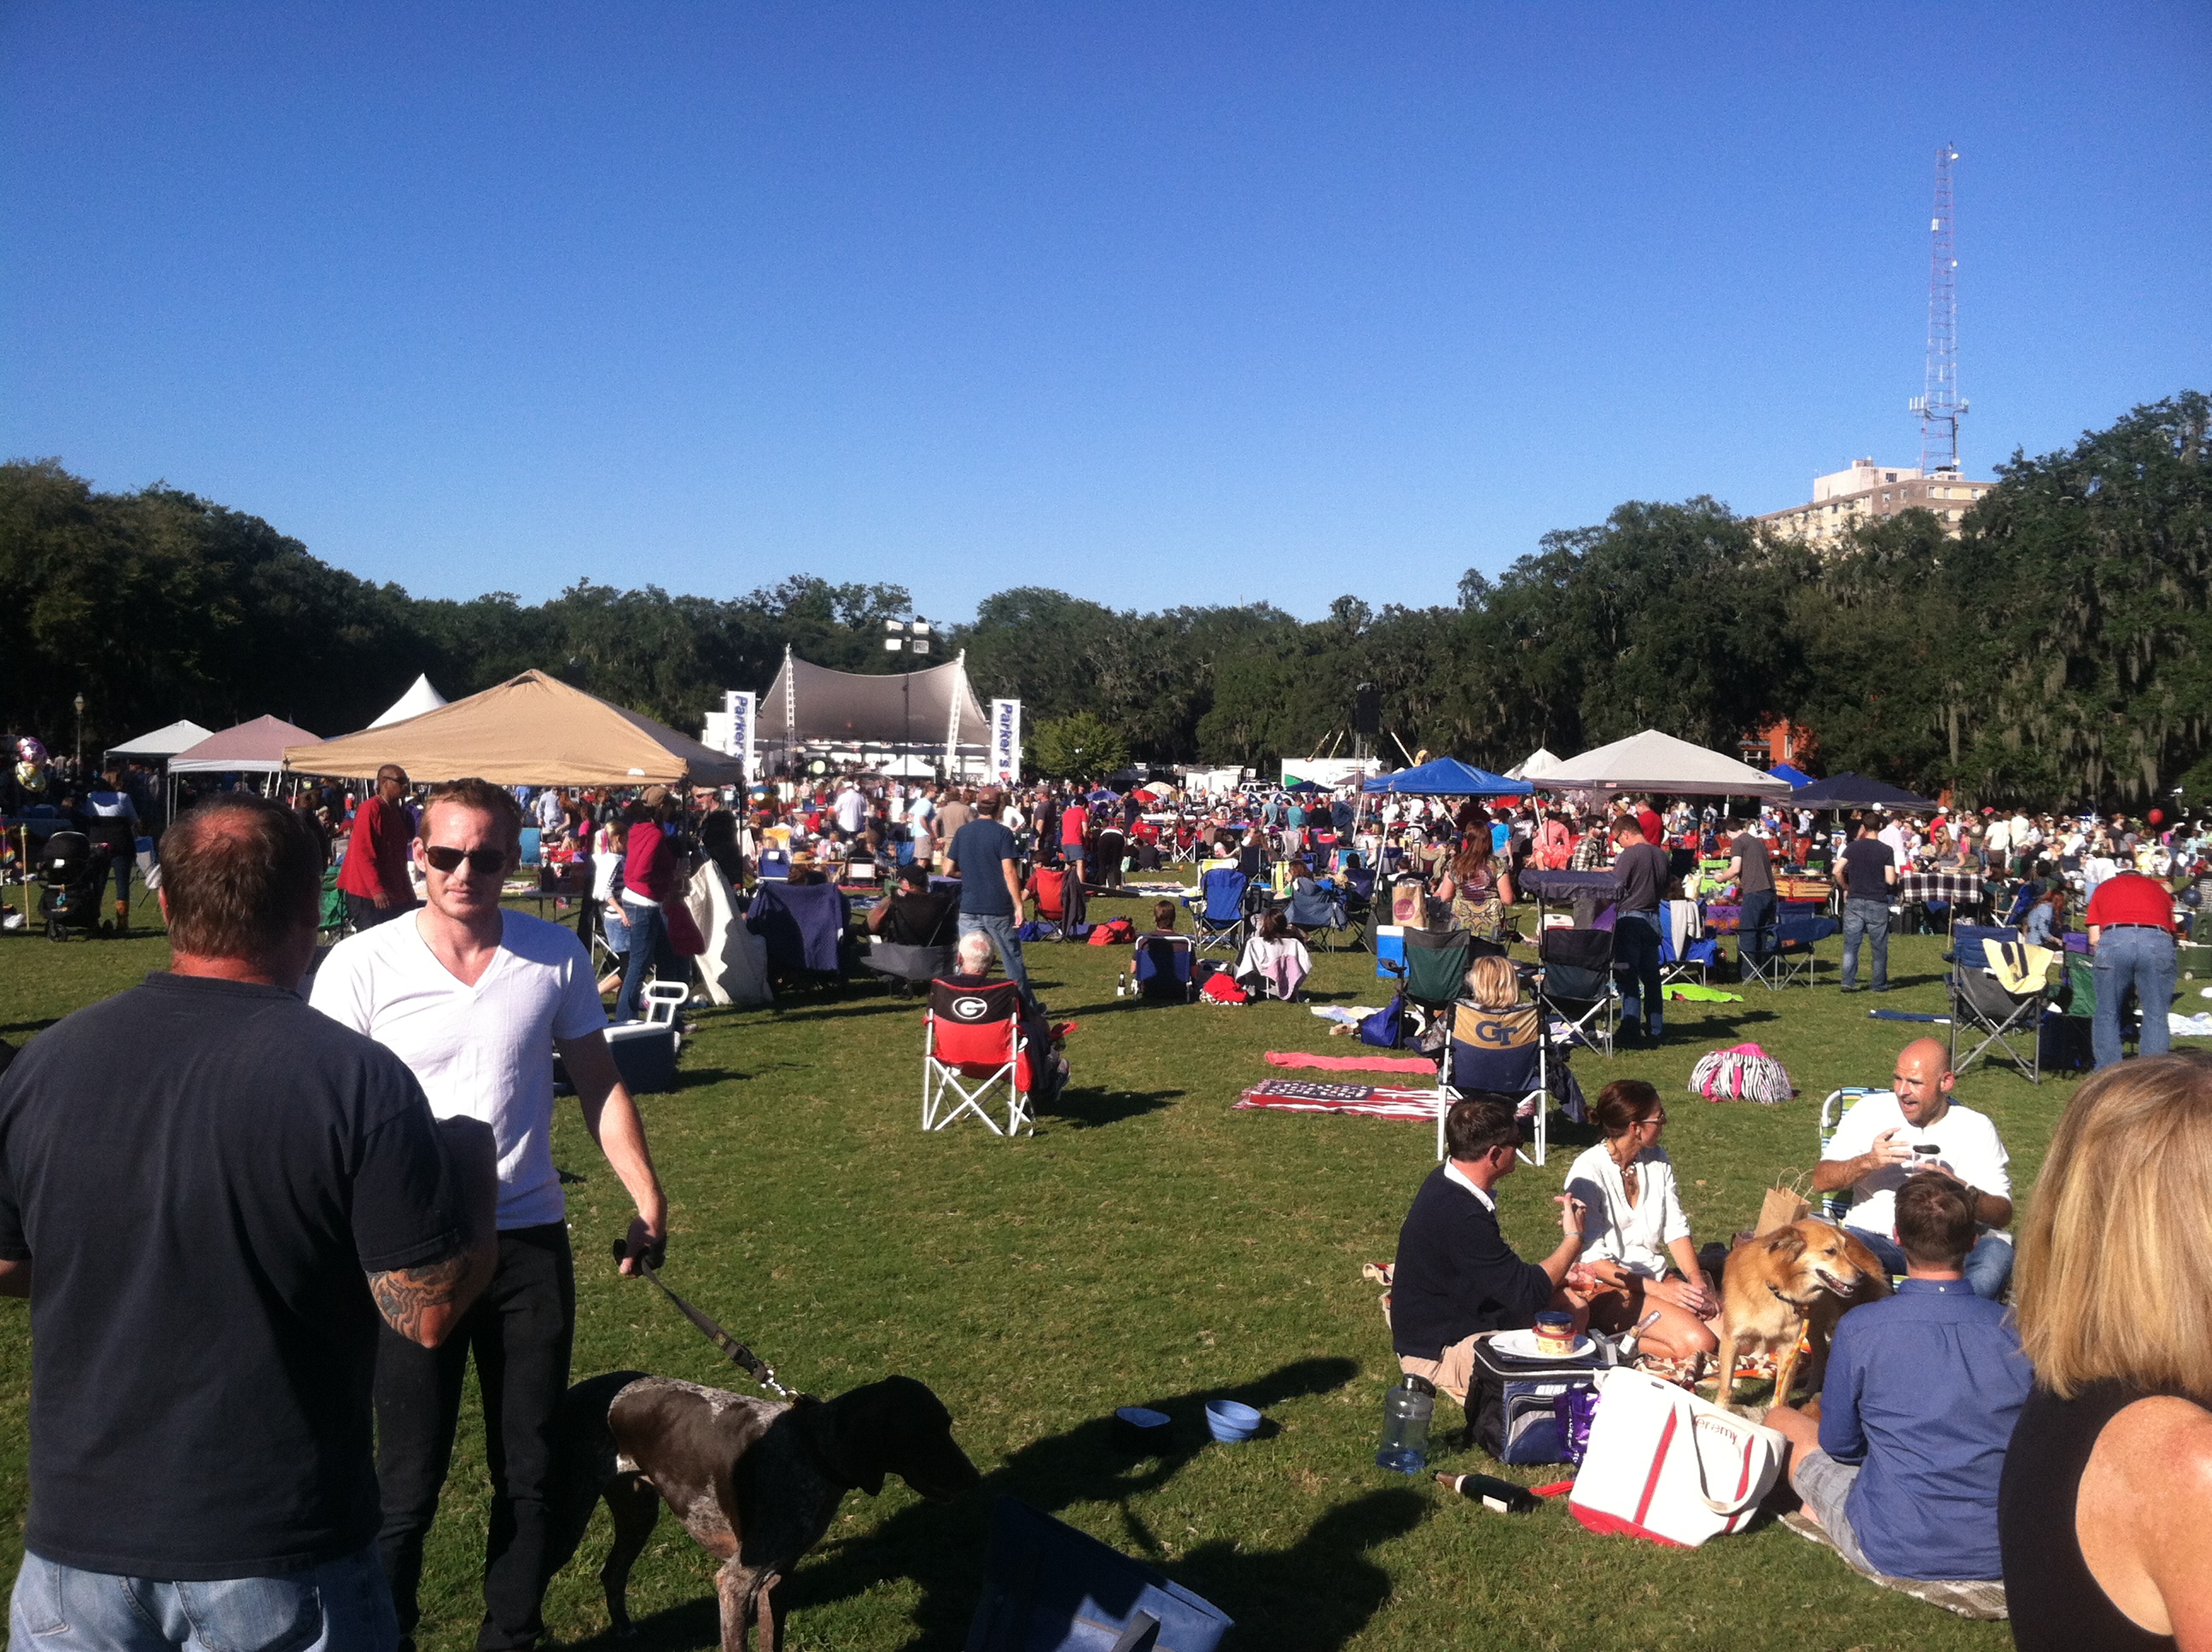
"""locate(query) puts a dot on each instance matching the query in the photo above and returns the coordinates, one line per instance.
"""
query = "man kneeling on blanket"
(1456, 1277)
(1900, 1471)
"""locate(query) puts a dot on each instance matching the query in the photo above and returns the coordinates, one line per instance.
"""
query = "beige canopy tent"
(532, 730)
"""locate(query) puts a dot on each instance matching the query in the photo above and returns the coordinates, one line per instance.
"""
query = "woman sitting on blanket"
(1275, 962)
(1477, 888)
(1633, 1222)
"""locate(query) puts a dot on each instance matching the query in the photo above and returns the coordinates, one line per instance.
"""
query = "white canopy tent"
(1652, 762)
(418, 700)
(1538, 765)
(179, 736)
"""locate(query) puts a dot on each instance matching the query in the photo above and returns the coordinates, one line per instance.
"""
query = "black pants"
(520, 1332)
(367, 914)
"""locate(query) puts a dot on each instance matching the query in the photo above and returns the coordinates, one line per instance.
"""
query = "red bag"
(1221, 987)
(1117, 931)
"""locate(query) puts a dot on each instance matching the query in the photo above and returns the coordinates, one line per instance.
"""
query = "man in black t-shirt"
(1644, 870)
(209, 1192)
(1751, 869)
(1869, 872)
(911, 916)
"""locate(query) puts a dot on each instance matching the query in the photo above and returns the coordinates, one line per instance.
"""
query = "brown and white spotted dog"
(755, 1482)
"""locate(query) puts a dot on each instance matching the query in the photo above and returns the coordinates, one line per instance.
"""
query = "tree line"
(2050, 654)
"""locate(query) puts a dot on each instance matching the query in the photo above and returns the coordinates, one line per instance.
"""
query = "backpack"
(1115, 932)
(1386, 1028)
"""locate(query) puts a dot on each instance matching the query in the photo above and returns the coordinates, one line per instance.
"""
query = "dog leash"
(744, 1358)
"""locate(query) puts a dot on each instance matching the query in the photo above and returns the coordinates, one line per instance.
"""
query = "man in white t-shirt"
(1879, 1143)
(475, 1001)
(852, 809)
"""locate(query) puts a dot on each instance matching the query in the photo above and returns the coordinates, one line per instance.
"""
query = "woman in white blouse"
(1633, 1224)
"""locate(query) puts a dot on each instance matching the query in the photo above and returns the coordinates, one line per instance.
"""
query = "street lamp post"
(910, 637)
(80, 737)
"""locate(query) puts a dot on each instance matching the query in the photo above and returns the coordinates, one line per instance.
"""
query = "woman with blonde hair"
(1493, 983)
(2107, 1488)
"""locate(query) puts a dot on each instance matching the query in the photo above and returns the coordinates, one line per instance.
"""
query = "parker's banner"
(740, 710)
(1006, 741)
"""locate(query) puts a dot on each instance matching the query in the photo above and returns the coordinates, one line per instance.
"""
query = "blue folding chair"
(773, 867)
(533, 847)
(1506, 1052)
(1787, 958)
(1163, 969)
(1220, 914)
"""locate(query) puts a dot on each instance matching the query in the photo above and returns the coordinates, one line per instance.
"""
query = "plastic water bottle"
(1406, 1410)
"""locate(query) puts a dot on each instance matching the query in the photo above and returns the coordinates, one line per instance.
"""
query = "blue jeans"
(1869, 919)
(2142, 959)
(341, 1605)
(1756, 914)
(999, 926)
(1988, 1266)
(1635, 961)
(648, 949)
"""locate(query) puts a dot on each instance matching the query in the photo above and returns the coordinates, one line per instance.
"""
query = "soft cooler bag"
(1512, 1404)
(1666, 1465)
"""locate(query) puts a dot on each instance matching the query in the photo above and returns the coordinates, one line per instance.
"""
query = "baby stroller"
(71, 874)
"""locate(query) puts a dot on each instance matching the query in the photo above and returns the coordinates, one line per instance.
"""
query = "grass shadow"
(698, 1077)
(1093, 1108)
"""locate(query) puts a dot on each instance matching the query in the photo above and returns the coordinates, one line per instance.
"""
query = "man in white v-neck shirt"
(475, 1000)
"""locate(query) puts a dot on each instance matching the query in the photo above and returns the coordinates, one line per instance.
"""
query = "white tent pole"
(790, 711)
(952, 719)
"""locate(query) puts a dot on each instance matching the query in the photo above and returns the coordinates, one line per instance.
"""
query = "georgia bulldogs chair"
(973, 1044)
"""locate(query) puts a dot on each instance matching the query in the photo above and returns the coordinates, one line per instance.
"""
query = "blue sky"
(1158, 305)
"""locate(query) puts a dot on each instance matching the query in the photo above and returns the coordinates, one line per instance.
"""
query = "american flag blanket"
(1369, 1101)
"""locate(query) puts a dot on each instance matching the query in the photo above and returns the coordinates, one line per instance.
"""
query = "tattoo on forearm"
(404, 1296)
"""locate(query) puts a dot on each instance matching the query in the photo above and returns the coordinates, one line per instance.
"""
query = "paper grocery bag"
(1785, 1202)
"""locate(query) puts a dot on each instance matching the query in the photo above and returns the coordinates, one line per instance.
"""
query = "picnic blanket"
(1694, 994)
(1369, 1101)
(1350, 1063)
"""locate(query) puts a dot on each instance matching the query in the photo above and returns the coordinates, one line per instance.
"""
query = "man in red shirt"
(373, 878)
(1655, 829)
(2131, 920)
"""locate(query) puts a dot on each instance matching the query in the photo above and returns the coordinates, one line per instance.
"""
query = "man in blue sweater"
(1455, 1277)
(1900, 1473)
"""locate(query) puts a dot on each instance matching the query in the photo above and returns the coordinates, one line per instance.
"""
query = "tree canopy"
(2050, 654)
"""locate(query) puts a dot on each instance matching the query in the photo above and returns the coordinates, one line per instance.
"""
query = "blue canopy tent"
(1856, 792)
(1448, 777)
(1795, 776)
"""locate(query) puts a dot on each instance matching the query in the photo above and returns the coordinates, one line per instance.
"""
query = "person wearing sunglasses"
(475, 1000)
(373, 876)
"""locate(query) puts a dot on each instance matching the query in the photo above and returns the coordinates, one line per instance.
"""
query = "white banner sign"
(739, 709)
(1006, 741)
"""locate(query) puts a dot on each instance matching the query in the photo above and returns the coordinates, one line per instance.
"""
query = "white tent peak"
(1652, 762)
(166, 742)
(1536, 766)
(418, 700)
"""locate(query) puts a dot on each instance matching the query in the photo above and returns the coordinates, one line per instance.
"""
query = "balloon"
(2157, 817)
(30, 750)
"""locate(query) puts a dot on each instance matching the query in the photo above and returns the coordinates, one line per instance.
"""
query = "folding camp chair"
(1323, 919)
(972, 1045)
(907, 966)
(1052, 887)
(1506, 1052)
(1048, 1588)
(1982, 1006)
(1434, 974)
(773, 867)
(1698, 955)
(1163, 969)
(1576, 983)
(1787, 958)
(1221, 919)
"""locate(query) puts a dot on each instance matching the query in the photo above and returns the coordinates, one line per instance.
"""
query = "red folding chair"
(1049, 887)
(973, 1045)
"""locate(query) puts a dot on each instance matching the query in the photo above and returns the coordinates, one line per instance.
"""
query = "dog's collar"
(1805, 1307)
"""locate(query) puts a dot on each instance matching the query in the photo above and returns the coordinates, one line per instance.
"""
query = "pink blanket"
(1350, 1063)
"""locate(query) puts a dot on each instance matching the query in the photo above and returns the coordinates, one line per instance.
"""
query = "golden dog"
(1805, 1274)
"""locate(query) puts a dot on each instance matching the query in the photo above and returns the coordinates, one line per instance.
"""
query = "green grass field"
(1149, 1245)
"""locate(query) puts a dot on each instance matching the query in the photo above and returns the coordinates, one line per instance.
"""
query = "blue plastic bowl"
(1136, 1429)
(1230, 1422)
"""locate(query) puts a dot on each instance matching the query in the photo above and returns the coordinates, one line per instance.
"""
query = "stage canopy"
(1652, 762)
(1535, 766)
(179, 736)
(1448, 777)
(413, 703)
(816, 706)
(532, 730)
(254, 747)
(1856, 792)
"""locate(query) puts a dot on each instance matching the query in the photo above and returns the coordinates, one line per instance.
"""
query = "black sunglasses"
(483, 860)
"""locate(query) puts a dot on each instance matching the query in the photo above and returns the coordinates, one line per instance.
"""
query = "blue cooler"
(1389, 948)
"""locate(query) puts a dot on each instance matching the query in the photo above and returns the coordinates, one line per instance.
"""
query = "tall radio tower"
(1941, 409)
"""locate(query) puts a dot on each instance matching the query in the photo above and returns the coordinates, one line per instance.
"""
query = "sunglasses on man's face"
(449, 861)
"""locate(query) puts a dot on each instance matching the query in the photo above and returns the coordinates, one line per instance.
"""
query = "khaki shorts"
(1453, 1373)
